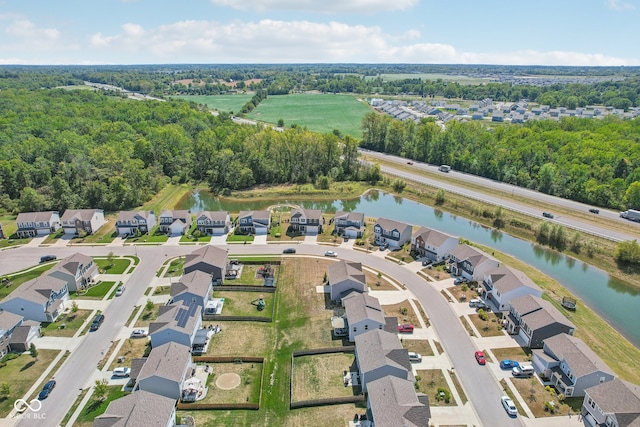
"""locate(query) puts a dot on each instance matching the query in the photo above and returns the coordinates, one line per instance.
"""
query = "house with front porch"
(254, 222)
(535, 320)
(345, 276)
(175, 222)
(32, 224)
(306, 221)
(41, 299)
(393, 402)
(140, 408)
(134, 222)
(349, 224)
(614, 403)
(432, 244)
(178, 323)
(215, 223)
(77, 270)
(208, 259)
(504, 284)
(363, 313)
(194, 287)
(78, 221)
(393, 233)
(165, 370)
(570, 365)
(471, 263)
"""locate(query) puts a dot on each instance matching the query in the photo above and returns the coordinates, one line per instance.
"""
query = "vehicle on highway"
(509, 406)
(120, 291)
(415, 357)
(46, 390)
(631, 215)
(97, 321)
(480, 358)
(47, 258)
(121, 372)
(405, 328)
(138, 333)
(547, 215)
(444, 168)
(409, 163)
(523, 371)
(331, 254)
(594, 210)
(508, 364)
(289, 251)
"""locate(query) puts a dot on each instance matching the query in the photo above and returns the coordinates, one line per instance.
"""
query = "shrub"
(10, 356)
(443, 394)
(441, 197)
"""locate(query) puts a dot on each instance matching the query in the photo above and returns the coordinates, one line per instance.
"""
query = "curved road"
(633, 228)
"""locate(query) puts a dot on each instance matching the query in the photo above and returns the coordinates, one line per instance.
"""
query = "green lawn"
(17, 279)
(98, 291)
(219, 102)
(175, 268)
(238, 303)
(238, 238)
(188, 238)
(97, 407)
(115, 266)
(71, 321)
(154, 236)
(320, 113)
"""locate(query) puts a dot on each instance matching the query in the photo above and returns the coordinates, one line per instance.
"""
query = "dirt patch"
(418, 346)
(378, 283)
(462, 295)
(228, 381)
(429, 381)
(403, 311)
(487, 328)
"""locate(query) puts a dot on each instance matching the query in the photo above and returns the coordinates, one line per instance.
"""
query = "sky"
(508, 32)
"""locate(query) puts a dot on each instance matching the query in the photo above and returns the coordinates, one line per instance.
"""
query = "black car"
(47, 389)
(547, 214)
(47, 258)
(594, 210)
(97, 321)
(289, 251)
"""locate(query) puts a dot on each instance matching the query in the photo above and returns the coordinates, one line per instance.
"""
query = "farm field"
(319, 113)
(219, 102)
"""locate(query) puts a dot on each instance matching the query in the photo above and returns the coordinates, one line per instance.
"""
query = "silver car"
(509, 406)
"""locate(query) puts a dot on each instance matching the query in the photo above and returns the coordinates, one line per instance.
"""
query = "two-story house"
(214, 223)
(178, 322)
(8, 323)
(208, 259)
(254, 222)
(32, 224)
(363, 313)
(535, 320)
(140, 408)
(194, 287)
(432, 244)
(571, 366)
(614, 403)
(307, 221)
(471, 263)
(393, 402)
(77, 270)
(349, 224)
(393, 233)
(175, 222)
(165, 370)
(41, 299)
(77, 221)
(134, 222)
(345, 276)
(505, 284)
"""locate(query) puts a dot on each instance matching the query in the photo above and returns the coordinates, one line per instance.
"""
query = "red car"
(480, 358)
(407, 327)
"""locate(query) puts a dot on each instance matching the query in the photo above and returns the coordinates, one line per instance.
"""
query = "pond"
(616, 302)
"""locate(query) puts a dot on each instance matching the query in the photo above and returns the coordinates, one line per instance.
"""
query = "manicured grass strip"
(16, 279)
(96, 407)
(81, 396)
(114, 266)
(224, 103)
(98, 291)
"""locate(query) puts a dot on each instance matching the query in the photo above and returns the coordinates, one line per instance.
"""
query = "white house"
(8, 323)
(194, 287)
(41, 299)
(471, 263)
(175, 222)
(349, 224)
(345, 276)
(363, 313)
(613, 403)
(178, 322)
(394, 233)
(140, 408)
(505, 284)
(433, 244)
(379, 353)
(165, 370)
(76, 221)
(133, 222)
(31, 224)
(77, 270)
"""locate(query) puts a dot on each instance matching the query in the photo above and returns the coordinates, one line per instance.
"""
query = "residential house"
(214, 223)
(393, 402)
(392, 232)
(349, 224)
(141, 408)
(471, 263)
(614, 403)
(165, 370)
(363, 313)
(77, 270)
(535, 320)
(570, 365)
(254, 222)
(175, 222)
(77, 221)
(307, 221)
(504, 284)
(178, 322)
(134, 222)
(432, 244)
(379, 354)
(23, 336)
(209, 259)
(32, 224)
(194, 287)
(497, 116)
(345, 276)
(41, 299)
(8, 323)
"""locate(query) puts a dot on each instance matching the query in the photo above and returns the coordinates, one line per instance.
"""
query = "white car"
(331, 254)
(509, 406)
(121, 372)
(138, 333)
(120, 291)
(415, 357)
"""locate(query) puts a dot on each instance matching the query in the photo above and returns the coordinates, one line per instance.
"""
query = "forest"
(591, 161)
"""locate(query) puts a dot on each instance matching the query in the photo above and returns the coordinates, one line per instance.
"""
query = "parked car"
(426, 263)
(331, 254)
(384, 246)
(121, 372)
(594, 210)
(289, 251)
(97, 321)
(120, 291)
(47, 258)
(483, 306)
(508, 364)
(474, 302)
(547, 215)
(415, 357)
(46, 390)
(509, 406)
(138, 333)
(405, 327)
(523, 371)
(480, 358)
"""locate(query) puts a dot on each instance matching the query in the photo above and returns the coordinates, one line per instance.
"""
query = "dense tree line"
(591, 161)
(64, 149)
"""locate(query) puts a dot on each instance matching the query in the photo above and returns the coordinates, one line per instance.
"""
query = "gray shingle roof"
(350, 216)
(196, 282)
(359, 307)
(507, 279)
(257, 216)
(537, 312)
(168, 318)
(8, 320)
(140, 408)
(580, 358)
(81, 214)
(475, 256)
(432, 237)
(130, 215)
(34, 216)
(71, 263)
(618, 397)
(389, 224)
(342, 270)
(213, 215)
(394, 403)
(307, 213)
(377, 348)
(37, 290)
(168, 361)
(208, 254)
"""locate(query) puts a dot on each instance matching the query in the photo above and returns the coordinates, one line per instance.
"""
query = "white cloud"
(271, 41)
(326, 6)
(620, 5)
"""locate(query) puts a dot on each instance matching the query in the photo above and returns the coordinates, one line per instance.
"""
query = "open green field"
(319, 113)
(219, 102)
